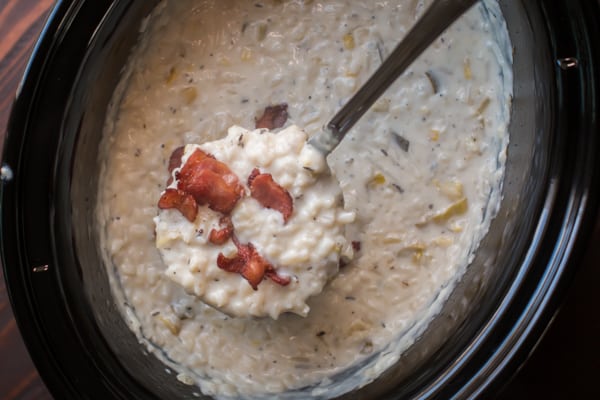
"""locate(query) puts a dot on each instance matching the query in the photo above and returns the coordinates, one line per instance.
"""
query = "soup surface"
(421, 173)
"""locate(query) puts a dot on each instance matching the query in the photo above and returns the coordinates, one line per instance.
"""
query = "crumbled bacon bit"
(255, 172)
(192, 162)
(273, 117)
(251, 265)
(278, 279)
(269, 194)
(175, 161)
(184, 202)
(356, 245)
(220, 236)
(210, 182)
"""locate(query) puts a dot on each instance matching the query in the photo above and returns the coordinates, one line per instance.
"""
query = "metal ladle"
(439, 16)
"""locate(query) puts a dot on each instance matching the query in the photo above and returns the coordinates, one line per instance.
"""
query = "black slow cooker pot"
(58, 285)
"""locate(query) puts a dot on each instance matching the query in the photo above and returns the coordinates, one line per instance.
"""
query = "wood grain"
(20, 23)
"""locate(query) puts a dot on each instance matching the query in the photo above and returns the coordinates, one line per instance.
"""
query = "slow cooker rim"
(22, 282)
(19, 282)
(570, 28)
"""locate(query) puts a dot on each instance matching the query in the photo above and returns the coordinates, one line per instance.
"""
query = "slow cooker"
(59, 289)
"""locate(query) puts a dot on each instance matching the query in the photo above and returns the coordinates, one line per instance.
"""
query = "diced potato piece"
(416, 250)
(417, 246)
(349, 41)
(246, 54)
(173, 326)
(417, 256)
(482, 107)
(186, 379)
(189, 94)
(162, 241)
(467, 69)
(457, 208)
(443, 241)
(452, 189)
(390, 238)
(172, 75)
(382, 105)
(298, 33)
(456, 228)
(425, 111)
(358, 325)
(261, 32)
(378, 179)
(224, 61)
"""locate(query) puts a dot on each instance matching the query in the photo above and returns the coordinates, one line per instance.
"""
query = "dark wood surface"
(565, 365)
(20, 23)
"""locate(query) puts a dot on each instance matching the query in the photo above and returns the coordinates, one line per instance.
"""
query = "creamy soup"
(420, 176)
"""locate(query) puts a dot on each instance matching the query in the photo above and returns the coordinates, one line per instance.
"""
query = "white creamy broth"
(422, 171)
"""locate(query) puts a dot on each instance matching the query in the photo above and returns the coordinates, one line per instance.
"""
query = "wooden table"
(565, 365)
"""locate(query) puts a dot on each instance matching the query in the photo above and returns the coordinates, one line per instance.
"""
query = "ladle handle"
(439, 16)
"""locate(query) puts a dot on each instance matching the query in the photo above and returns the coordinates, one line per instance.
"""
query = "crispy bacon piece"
(248, 263)
(210, 182)
(220, 236)
(192, 162)
(269, 194)
(184, 202)
(175, 161)
(278, 279)
(273, 117)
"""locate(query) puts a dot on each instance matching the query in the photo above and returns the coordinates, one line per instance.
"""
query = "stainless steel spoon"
(439, 16)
